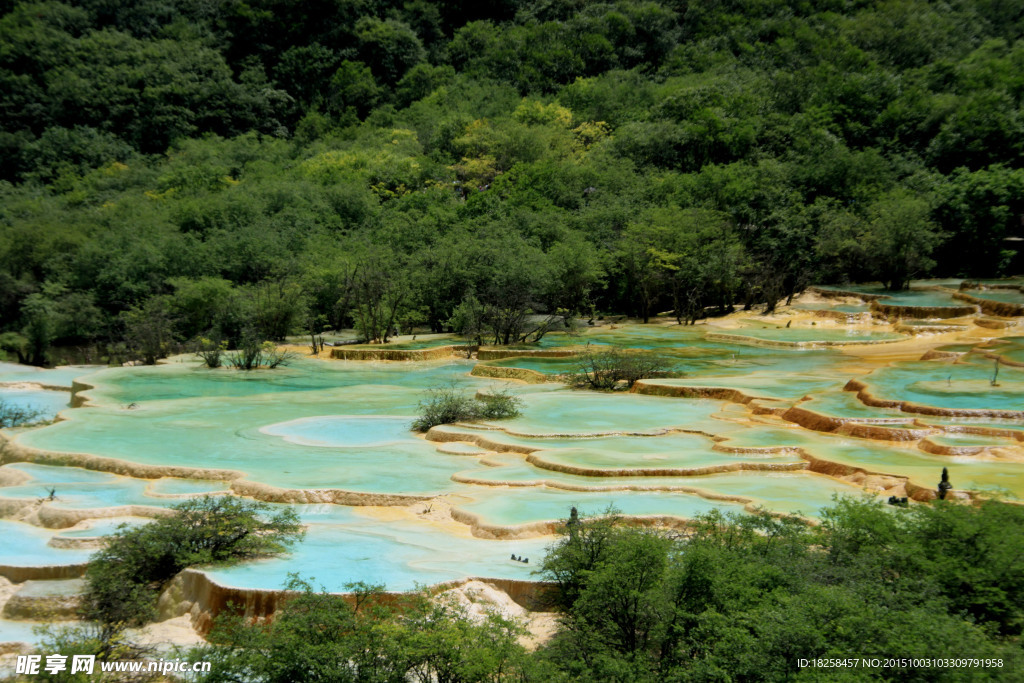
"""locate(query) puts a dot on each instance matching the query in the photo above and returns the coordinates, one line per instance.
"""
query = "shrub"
(212, 352)
(606, 369)
(273, 356)
(249, 354)
(446, 404)
(253, 353)
(497, 405)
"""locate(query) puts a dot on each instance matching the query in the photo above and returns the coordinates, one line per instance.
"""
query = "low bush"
(616, 369)
(211, 351)
(445, 405)
(252, 353)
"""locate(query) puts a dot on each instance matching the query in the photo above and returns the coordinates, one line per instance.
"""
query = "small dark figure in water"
(944, 485)
(527, 561)
(789, 323)
(52, 494)
(513, 556)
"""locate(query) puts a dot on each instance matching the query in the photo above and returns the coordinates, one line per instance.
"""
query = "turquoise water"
(845, 404)
(20, 632)
(916, 296)
(810, 334)
(174, 486)
(24, 545)
(652, 441)
(633, 336)
(344, 425)
(974, 440)
(56, 377)
(965, 472)
(208, 431)
(595, 458)
(341, 431)
(790, 492)
(1013, 350)
(921, 298)
(80, 496)
(185, 378)
(767, 384)
(47, 474)
(542, 504)
(961, 385)
(39, 589)
(583, 412)
(549, 366)
(47, 403)
(767, 437)
(459, 448)
(1012, 296)
(343, 546)
(79, 489)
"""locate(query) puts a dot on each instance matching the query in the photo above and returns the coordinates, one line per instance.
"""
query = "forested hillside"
(183, 168)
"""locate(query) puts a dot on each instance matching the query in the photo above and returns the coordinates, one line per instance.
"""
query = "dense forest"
(181, 169)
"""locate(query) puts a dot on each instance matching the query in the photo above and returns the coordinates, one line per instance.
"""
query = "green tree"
(125, 577)
(353, 90)
(389, 47)
(39, 313)
(149, 329)
(380, 293)
(899, 237)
